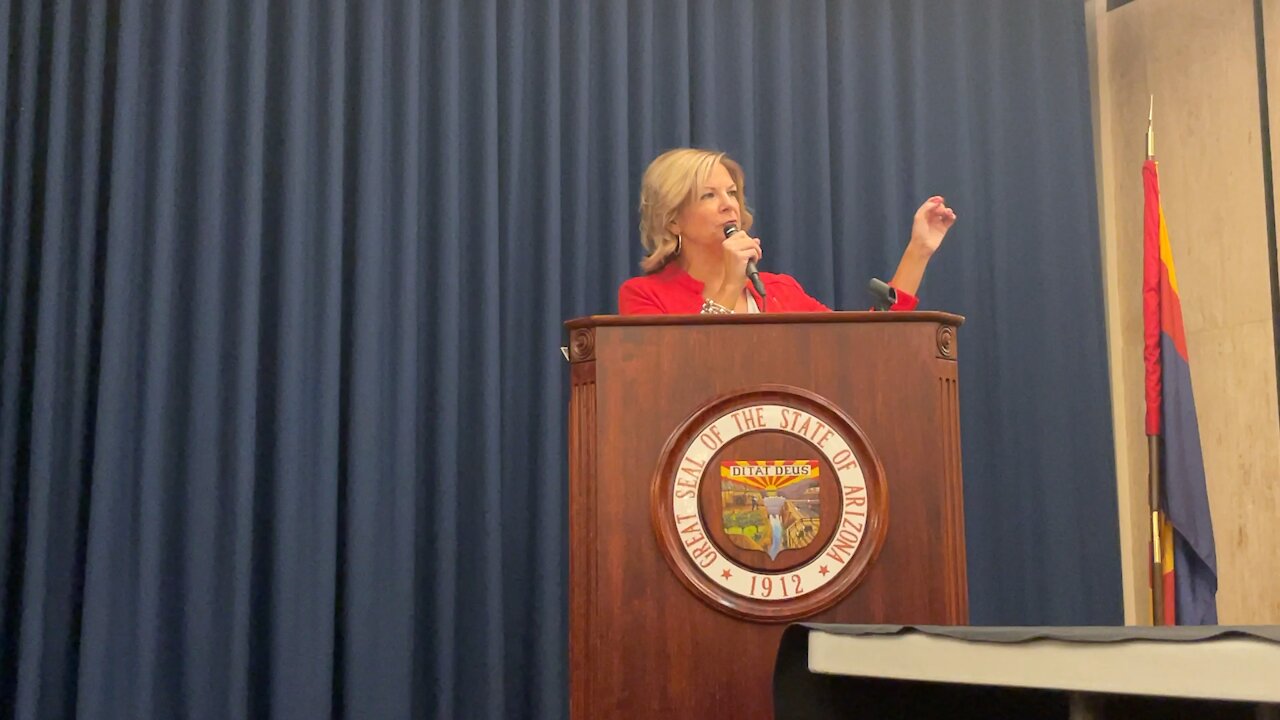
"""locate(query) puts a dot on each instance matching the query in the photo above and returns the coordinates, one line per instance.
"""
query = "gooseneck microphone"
(752, 273)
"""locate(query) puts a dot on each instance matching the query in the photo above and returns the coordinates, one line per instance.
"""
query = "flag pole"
(1153, 458)
(1157, 567)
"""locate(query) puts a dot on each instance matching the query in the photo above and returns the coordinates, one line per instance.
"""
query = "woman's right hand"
(739, 249)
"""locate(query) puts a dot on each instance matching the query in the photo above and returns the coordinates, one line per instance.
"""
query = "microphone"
(884, 294)
(752, 273)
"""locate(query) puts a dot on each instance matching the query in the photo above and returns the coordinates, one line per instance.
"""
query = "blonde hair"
(671, 181)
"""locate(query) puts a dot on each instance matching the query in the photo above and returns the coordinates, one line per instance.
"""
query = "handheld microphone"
(883, 292)
(752, 273)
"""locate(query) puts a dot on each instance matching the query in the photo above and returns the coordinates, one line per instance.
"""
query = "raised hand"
(931, 223)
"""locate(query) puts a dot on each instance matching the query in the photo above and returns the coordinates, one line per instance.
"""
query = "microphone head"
(885, 295)
(730, 229)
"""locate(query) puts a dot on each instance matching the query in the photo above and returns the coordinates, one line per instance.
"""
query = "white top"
(1226, 668)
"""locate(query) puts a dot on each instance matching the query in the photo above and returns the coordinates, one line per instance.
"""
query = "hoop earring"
(679, 245)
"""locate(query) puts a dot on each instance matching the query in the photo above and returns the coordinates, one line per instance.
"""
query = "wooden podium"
(731, 474)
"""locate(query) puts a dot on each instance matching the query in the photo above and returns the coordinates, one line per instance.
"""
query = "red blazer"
(671, 290)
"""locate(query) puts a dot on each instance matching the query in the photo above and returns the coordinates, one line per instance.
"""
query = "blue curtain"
(282, 283)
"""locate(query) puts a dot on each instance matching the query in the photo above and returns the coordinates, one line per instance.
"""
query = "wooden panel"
(1265, 542)
(953, 493)
(1198, 58)
(1271, 28)
(656, 649)
(1246, 502)
(582, 525)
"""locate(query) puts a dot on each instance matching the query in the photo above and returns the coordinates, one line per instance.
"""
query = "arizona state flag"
(1191, 570)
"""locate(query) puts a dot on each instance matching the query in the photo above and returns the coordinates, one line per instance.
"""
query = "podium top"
(847, 316)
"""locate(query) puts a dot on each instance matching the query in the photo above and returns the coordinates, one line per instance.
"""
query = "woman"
(688, 197)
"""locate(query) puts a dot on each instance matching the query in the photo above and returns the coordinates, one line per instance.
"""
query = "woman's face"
(714, 205)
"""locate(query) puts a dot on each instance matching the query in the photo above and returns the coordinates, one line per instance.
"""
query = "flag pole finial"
(1151, 133)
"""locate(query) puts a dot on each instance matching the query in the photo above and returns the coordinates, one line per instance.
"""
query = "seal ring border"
(708, 590)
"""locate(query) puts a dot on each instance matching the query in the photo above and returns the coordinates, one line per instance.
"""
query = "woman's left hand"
(931, 223)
